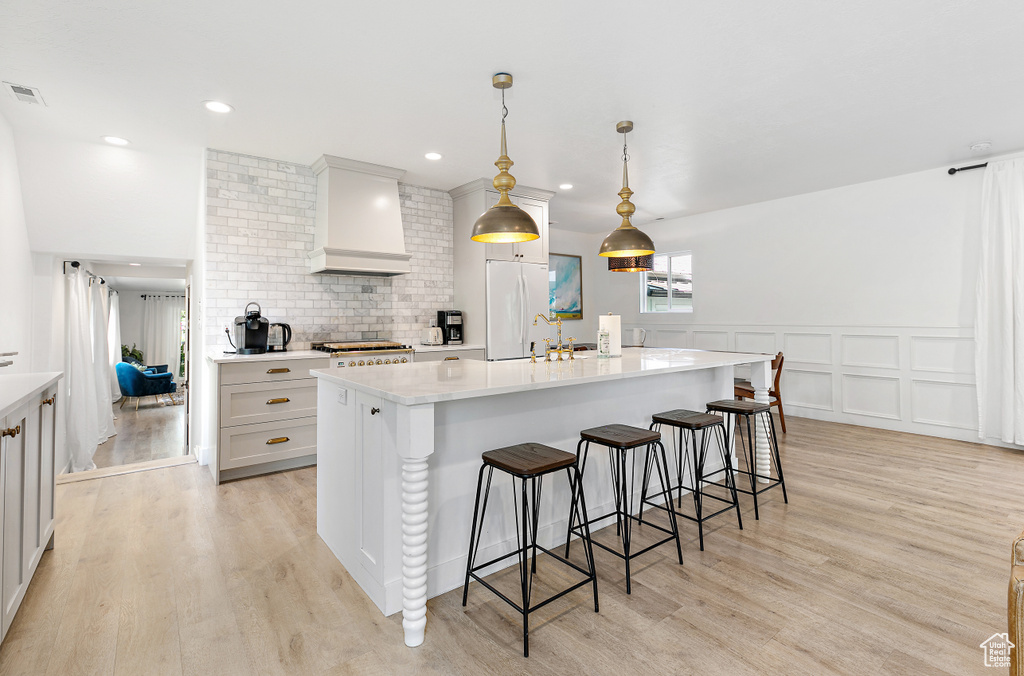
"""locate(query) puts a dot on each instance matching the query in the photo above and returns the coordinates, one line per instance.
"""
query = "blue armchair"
(155, 380)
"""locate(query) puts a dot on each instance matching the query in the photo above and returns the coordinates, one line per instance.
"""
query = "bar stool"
(687, 424)
(623, 438)
(529, 461)
(751, 409)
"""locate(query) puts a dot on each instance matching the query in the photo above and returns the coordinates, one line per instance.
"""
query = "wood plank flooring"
(155, 431)
(891, 558)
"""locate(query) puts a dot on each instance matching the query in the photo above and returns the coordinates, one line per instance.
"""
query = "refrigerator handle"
(526, 308)
(522, 308)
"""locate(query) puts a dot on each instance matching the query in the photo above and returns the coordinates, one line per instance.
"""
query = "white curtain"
(82, 418)
(114, 344)
(999, 321)
(101, 361)
(161, 331)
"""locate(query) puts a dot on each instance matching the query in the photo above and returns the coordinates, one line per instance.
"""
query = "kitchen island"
(399, 451)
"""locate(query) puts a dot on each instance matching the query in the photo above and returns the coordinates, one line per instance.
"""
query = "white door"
(506, 326)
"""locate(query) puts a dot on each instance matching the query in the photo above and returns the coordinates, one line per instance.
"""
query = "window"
(669, 286)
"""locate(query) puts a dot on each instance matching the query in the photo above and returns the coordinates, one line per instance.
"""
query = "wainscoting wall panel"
(877, 396)
(942, 355)
(875, 351)
(909, 378)
(808, 348)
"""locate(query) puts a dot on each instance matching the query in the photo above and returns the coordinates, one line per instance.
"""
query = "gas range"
(353, 354)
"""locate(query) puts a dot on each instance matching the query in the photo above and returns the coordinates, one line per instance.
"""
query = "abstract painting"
(565, 284)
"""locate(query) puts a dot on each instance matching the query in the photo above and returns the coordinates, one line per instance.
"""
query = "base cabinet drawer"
(266, 442)
(266, 402)
(270, 370)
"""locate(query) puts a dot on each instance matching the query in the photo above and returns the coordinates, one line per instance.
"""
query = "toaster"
(432, 336)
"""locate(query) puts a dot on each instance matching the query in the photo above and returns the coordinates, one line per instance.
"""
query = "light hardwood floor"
(891, 558)
(155, 431)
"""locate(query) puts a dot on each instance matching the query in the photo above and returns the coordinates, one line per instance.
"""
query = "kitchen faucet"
(558, 350)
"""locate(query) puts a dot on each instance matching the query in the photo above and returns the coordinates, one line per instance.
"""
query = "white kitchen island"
(398, 451)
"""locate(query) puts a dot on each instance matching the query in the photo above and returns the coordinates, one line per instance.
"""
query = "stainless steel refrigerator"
(516, 293)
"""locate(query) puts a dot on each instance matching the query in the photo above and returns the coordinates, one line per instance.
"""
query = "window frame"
(643, 286)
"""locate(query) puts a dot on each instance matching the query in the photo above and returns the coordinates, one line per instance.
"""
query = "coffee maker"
(250, 332)
(450, 323)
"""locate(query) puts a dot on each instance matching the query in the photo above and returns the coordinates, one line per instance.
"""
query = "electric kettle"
(279, 337)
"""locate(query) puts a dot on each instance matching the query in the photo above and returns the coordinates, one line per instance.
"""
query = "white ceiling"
(733, 102)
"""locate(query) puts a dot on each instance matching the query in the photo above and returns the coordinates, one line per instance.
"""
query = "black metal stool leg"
(752, 464)
(473, 537)
(627, 526)
(680, 440)
(773, 445)
(730, 477)
(698, 482)
(581, 464)
(538, 484)
(668, 498)
(526, 579)
(588, 549)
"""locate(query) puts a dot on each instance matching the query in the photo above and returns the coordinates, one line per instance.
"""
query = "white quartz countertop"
(429, 382)
(18, 388)
(218, 356)
(443, 348)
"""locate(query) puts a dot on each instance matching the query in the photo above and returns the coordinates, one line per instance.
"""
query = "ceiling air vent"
(25, 94)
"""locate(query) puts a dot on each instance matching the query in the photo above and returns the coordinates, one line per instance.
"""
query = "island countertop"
(431, 382)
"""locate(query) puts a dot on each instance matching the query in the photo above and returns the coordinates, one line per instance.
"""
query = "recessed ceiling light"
(135, 264)
(217, 107)
(565, 186)
(116, 140)
(433, 156)
(981, 146)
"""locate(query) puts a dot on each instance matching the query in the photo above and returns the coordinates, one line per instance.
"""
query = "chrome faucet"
(559, 349)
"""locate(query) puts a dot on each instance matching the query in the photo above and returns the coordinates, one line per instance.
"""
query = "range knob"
(404, 360)
(387, 361)
(361, 362)
(379, 362)
(352, 363)
(369, 362)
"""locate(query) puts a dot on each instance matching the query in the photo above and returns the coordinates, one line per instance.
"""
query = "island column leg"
(760, 374)
(415, 444)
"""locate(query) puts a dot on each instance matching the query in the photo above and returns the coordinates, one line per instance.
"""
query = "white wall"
(582, 245)
(130, 305)
(16, 275)
(867, 289)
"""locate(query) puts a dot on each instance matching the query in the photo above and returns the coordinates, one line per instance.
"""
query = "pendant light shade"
(627, 242)
(632, 264)
(504, 222)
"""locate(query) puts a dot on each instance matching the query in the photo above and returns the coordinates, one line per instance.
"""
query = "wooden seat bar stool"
(529, 463)
(747, 410)
(620, 439)
(712, 428)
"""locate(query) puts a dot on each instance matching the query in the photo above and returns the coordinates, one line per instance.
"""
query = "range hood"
(358, 219)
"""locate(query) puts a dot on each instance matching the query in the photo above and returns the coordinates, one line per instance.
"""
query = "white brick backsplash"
(260, 216)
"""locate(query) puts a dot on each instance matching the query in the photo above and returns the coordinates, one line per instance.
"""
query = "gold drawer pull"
(279, 400)
(451, 358)
(279, 370)
(48, 402)
(276, 440)
(11, 432)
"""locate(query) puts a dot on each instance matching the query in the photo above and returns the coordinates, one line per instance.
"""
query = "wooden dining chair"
(743, 389)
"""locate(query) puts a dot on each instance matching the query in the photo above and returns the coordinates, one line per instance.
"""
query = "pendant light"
(628, 249)
(504, 222)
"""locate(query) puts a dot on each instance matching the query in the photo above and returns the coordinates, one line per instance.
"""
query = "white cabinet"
(27, 480)
(266, 415)
(450, 353)
(469, 201)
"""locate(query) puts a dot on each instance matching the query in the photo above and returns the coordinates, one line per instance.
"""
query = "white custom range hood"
(358, 219)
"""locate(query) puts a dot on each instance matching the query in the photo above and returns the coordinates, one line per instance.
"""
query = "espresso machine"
(450, 323)
(250, 332)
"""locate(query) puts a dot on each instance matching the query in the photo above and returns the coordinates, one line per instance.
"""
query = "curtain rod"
(76, 265)
(162, 295)
(953, 170)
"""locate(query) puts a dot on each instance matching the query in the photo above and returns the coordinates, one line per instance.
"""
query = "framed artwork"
(565, 286)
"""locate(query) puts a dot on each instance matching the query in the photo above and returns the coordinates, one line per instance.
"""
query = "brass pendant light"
(627, 242)
(504, 222)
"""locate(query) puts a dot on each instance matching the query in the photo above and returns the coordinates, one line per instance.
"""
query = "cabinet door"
(534, 251)
(14, 576)
(47, 461)
(369, 448)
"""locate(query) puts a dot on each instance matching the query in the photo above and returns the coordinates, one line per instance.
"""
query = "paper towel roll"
(613, 325)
